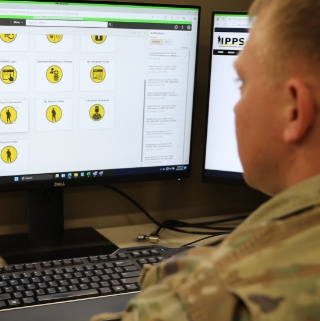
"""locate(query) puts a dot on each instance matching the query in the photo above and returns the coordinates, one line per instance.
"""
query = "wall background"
(100, 207)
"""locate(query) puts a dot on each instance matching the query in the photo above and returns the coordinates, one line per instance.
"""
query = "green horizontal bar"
(231, 15)
(101, 5)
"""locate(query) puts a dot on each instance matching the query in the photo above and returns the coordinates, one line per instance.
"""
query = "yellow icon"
(54, 74)
(8, 37)
(9, 154)
(98, 39)
(8, 74)
(54, 113)
(96, 112)
(54, 38)
(8, 115)
(97, 74)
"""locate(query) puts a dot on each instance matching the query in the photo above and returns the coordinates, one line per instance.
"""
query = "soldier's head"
(96, 109)
(277, 117)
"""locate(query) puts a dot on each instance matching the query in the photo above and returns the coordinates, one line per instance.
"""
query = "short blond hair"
(292, 34)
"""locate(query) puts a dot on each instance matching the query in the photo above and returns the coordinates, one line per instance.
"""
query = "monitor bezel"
(112, 177)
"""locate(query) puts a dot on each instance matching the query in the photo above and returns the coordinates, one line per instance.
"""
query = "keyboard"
(100, 283)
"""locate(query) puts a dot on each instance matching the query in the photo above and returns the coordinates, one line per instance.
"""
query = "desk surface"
(126, 236)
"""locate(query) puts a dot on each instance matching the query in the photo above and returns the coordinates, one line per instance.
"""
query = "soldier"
(269, 267)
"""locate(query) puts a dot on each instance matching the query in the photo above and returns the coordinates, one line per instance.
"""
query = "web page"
(91, 88)
(230, 35)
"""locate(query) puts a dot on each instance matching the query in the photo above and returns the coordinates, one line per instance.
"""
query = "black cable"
(135, 203)
(175, 225)
(204, 238)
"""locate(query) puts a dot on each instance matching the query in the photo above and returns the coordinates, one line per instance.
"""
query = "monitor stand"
(47, 239)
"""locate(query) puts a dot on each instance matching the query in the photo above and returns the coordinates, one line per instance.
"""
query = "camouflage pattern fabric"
(267, 269)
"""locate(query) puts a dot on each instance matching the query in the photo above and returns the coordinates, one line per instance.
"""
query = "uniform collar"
(292, 200)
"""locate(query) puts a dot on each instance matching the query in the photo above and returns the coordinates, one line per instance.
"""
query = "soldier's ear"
(299, 112)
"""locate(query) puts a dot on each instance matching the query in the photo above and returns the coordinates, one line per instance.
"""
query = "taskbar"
(73, 175)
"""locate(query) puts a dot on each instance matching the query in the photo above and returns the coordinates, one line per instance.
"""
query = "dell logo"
(59, 184)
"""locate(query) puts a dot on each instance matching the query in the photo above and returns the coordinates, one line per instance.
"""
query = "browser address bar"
(64, 23)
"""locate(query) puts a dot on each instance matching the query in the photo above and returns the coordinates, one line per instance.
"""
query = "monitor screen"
(93, 93)
(229, 34)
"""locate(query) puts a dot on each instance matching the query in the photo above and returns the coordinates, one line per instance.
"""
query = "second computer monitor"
(230, 32)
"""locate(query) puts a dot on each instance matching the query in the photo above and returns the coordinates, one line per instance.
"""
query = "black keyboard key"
(28, 293)
(5, 296)
(84, 280)
(122, 256)
(94, 285)
(115, 276)
(18, 267)
(103, 258)
(17, 295)
(130, 274)
(129, 280)
(67, 262)
(46, 265)
(29, 266)
(123, 263)
(130, 268)
(74, 281)
(25, 281)
(57, 263)
(84, 286)
(16, 276)
(105, 277)
(14, 282)
(14, 303)
(8, 289)
(52, 291)
(104, 284)
(112, 257)
(145, 253)
(37, 273)
(47, 278)
(26, 275)
(8, 269)
(98, 266)
(63, 282)
(57, 277)
(31, 286)
(58, 271)
(154, 252)
(108, 265)
(48, 272)
(78, 274)
(35, 280)
(68, 296)
(53, 284)
(3, 284)
(5, 277)
(20, 288)
(93, 259)
(105, 291)
(2, 305)
(136, 254)
(73, 288)
(69, 270)
(77, 261)
(118, 289)
(114, 282)
(131, 287)
(62, 289)
(28, 301)
(40, 292)
(152, 261)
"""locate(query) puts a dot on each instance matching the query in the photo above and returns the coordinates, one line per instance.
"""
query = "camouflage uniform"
(267, 269)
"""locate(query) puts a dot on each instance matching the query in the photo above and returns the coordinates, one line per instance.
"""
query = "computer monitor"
(91, 93)
(230, 30)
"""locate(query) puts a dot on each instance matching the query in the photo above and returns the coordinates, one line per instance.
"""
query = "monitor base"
(79, 242)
